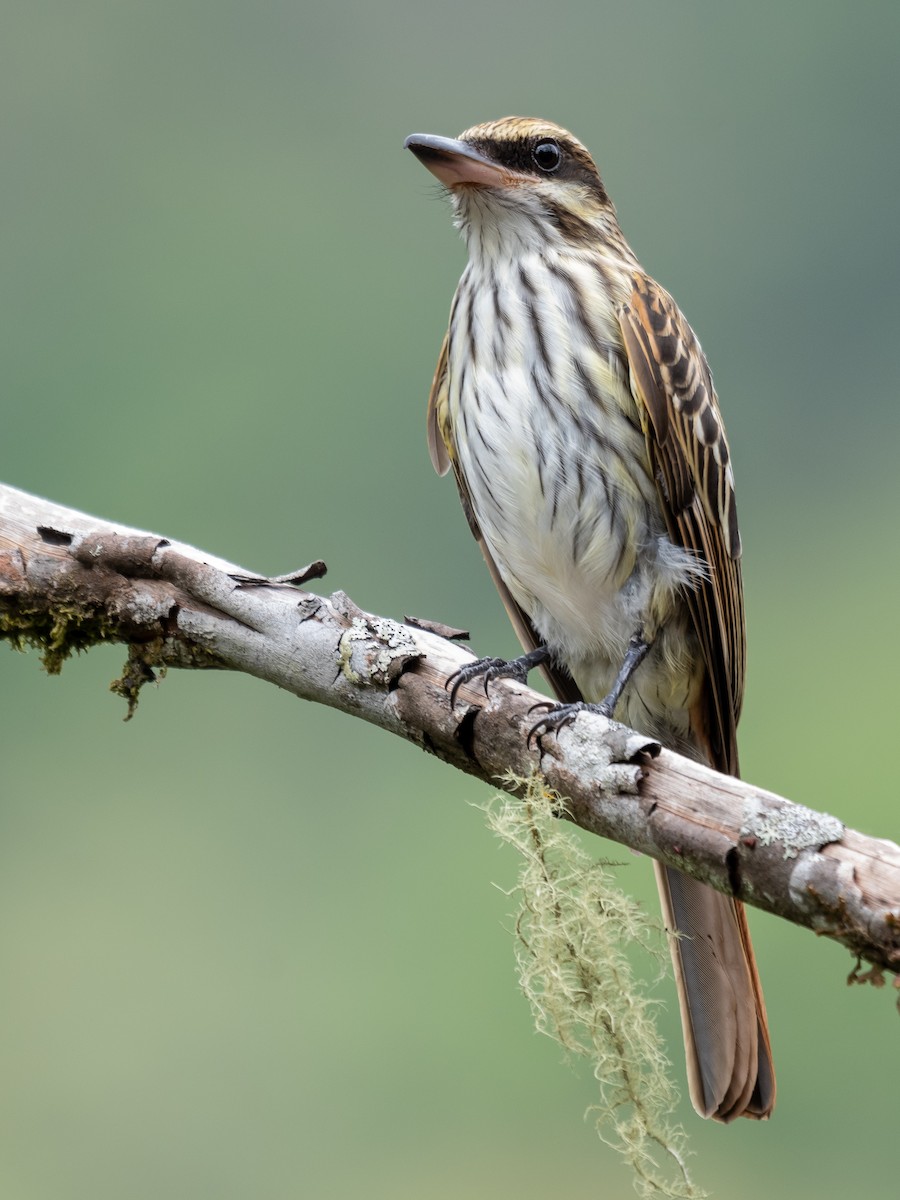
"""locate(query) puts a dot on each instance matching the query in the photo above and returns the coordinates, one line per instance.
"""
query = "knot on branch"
(612, 762)
(376, 651)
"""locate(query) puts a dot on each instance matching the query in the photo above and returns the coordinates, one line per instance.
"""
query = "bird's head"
(521, 179)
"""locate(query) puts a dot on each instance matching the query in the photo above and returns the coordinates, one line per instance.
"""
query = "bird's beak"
(455, 162)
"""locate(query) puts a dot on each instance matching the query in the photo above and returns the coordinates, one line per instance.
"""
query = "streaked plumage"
(576, 408)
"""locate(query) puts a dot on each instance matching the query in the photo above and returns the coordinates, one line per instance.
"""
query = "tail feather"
(723, 1017)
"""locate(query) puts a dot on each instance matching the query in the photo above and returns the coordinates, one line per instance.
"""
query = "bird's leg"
(496, 668)
(559, 715)
(634, 656)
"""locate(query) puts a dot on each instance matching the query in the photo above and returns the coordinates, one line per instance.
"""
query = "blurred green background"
(252, 948)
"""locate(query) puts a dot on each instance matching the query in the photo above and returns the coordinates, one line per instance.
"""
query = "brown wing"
(438, 428)
(729, 1056)
(443, 456)
(672, 385)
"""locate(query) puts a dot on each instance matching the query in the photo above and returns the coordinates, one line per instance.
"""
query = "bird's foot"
(558, 716)
(488, 669)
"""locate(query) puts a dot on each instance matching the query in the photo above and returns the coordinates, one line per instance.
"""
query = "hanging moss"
(573, 928)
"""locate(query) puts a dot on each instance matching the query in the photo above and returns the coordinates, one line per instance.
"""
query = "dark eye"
(547, 155)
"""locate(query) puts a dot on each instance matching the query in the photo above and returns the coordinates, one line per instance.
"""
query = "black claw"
(557, 717)
(546, 705)
(495, 668)
(490, 668)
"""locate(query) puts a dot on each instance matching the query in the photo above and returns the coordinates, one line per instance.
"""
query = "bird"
(575, 407)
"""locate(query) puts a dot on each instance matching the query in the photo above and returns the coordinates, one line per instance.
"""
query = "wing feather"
(673, 388)
(437, 427)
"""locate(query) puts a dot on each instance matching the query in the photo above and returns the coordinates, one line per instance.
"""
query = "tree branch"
(69, 581)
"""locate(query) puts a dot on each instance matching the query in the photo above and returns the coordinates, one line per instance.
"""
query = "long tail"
(723, 1016)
